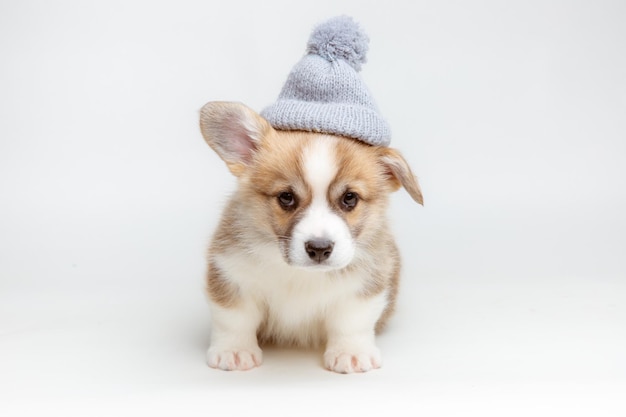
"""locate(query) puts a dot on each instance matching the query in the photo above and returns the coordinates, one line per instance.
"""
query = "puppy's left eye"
(349, 200)
(287, 200)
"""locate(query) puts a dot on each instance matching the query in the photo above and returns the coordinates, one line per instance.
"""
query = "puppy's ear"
(234, 131)
(400, 174)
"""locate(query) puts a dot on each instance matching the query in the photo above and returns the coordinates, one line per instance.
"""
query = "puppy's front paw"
(234, 359)
(344, 362)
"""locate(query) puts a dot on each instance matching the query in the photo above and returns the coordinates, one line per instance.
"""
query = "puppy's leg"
(351, 343)
(234, 343)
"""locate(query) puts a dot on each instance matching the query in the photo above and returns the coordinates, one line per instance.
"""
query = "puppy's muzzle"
(319, 249)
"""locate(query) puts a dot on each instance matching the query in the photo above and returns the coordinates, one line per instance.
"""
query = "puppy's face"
(319, 193)
(320, 198)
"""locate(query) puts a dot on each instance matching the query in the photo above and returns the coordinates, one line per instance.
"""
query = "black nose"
(319, 249)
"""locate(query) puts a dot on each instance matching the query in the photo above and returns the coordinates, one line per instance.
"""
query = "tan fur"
(220, 289)
(401, 173)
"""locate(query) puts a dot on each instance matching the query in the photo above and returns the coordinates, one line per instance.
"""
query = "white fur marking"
(319, 221)
(320, 166)
(351, 341)
(233, 337)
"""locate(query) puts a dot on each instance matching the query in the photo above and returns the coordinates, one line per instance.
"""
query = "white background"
(512, 114)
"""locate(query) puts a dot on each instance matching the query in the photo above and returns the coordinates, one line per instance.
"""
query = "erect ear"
(234, 131)
(400, 174)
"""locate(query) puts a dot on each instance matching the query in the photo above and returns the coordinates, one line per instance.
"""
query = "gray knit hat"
(324, 91)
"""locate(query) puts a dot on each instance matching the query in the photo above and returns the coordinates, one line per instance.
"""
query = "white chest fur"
(295, 305)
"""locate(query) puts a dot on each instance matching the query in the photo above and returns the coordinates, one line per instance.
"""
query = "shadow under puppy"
(303, 254)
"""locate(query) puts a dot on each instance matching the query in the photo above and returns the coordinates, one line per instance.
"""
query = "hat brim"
(356, 122)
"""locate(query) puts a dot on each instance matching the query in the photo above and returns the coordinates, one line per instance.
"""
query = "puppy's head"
(319, 198)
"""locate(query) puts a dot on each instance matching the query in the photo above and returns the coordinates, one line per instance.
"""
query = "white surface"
(514, 284)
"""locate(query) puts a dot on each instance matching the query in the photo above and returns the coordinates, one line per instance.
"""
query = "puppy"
(303, 254)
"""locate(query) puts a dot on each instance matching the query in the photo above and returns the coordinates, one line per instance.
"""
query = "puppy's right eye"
(287, 200)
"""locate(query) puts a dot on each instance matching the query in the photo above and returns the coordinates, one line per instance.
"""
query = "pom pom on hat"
(324, 92)
(340, 38)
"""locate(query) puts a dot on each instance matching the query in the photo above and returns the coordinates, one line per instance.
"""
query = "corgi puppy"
(303, 254)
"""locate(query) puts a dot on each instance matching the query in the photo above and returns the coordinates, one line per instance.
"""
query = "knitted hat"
(324, 91)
